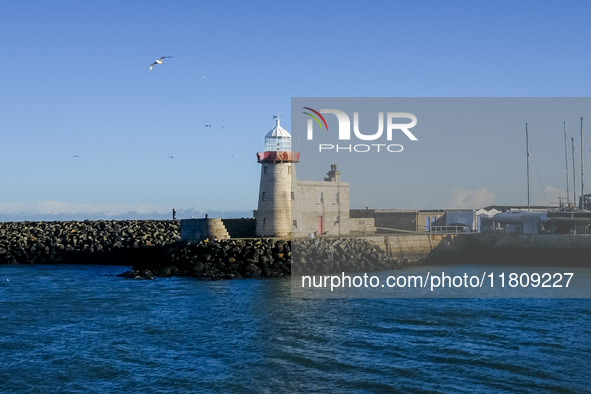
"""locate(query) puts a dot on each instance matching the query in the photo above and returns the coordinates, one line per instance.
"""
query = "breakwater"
(219, 259)
(263, 258)
(324, 255)
(93, 242)
(154, 248)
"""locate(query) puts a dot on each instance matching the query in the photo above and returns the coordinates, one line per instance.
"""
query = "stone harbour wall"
(418, 249)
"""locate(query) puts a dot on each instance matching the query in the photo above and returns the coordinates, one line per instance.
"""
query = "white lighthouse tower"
(273, 217)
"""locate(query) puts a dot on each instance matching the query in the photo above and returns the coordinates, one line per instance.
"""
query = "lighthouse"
(273, 216)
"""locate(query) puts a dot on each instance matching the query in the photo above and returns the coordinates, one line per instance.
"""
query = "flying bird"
(207, 125)
(159, 61)
(172, 157)
(75, 156)
(204, 77)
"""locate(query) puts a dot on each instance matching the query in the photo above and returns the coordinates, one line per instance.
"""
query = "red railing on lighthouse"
(280, 155)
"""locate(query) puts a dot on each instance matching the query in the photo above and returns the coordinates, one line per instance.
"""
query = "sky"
(468, 152)
(86, 131)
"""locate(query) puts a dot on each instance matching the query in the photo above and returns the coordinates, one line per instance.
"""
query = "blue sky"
(74, 80)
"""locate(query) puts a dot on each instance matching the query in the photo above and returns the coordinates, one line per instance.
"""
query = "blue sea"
(82, 329)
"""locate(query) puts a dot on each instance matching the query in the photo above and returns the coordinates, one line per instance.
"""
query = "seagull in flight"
(204, 77)
(75, 156)
(208, 125)
(172, 157)
(159, 61)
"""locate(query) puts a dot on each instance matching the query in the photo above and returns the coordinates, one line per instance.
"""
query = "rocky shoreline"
(85, 242)
(263, 258)
(154, 249)
(326, 255)
(220, 259)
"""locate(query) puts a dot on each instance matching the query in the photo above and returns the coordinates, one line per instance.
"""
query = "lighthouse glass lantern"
(278, 139)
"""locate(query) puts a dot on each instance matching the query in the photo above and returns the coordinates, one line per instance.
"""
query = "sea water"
(83, 329)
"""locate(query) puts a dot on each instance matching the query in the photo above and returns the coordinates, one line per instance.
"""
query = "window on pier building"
(264, 196)
(320, 197)
(336, 197)
(295, 223)
(292, 196)
(288, 170)
(337, 219)
(265, 169)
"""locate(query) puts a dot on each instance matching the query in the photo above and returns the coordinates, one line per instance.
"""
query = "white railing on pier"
(448, 230)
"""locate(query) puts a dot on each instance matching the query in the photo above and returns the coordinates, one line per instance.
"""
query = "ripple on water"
(81, 328)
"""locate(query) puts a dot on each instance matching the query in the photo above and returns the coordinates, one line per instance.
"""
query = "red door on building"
(319, 224)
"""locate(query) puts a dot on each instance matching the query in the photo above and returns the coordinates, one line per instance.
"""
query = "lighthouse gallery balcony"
(278, 156)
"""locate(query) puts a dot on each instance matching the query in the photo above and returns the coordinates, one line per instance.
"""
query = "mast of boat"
(582, 175)
(566, 161)
(572, 142)
(527, 150)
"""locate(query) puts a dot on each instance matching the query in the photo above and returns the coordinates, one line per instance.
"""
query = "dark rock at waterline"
(137, 274)
(222, 259)
(325, 255)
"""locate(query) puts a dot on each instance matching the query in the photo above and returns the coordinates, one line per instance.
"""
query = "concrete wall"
(419, 248)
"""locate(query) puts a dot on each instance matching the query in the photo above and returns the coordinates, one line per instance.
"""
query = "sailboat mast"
(572, 142)
(527, 150)
(566, 161)
(582, 175)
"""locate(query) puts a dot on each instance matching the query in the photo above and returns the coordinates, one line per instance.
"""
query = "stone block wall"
(241, 228)
(273, 216)
(326, 200)
(198, 229)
